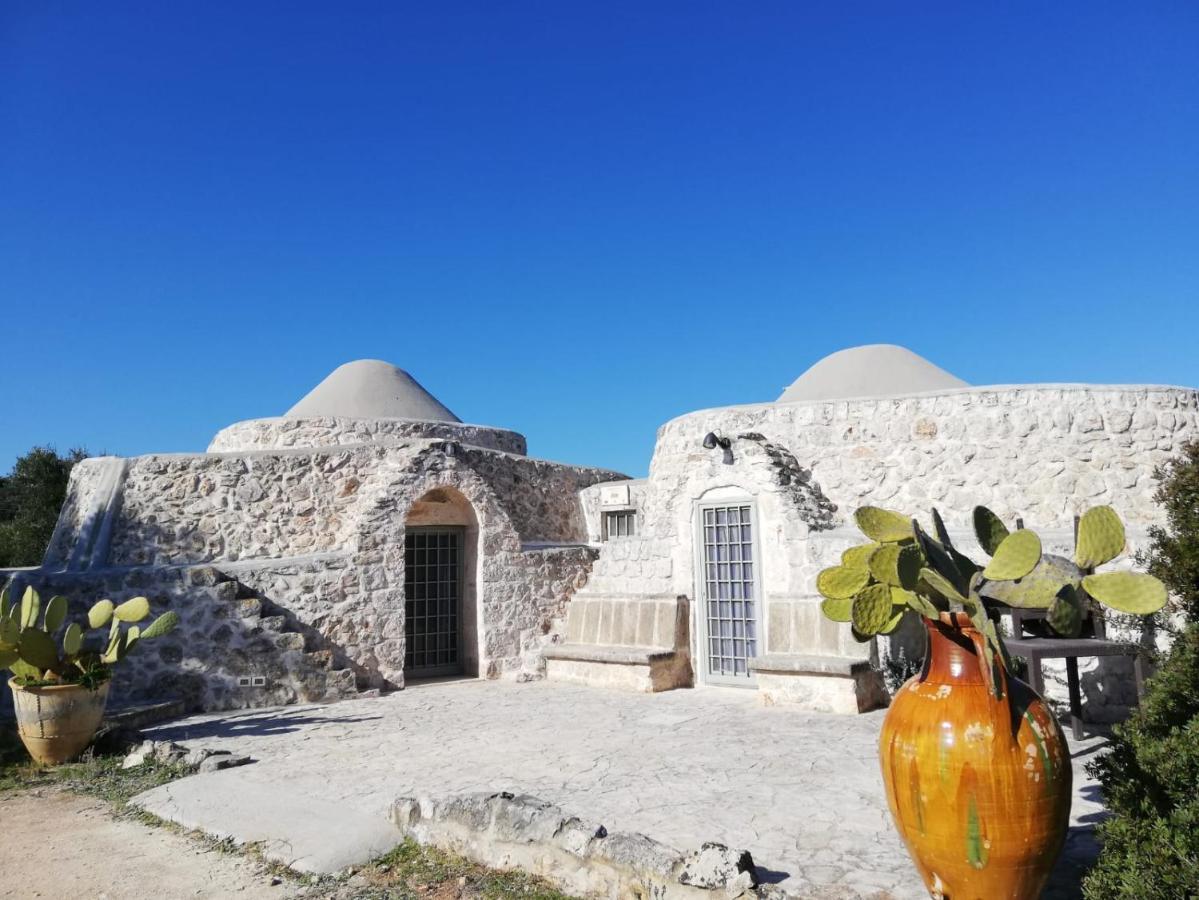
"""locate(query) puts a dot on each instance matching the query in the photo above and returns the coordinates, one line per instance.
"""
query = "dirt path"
(58, 845)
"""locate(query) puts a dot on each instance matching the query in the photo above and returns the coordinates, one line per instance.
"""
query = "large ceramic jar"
(979, 786)
(56, 722)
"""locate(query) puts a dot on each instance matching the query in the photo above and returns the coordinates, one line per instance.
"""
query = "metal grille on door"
(432, 597)
(730, 596)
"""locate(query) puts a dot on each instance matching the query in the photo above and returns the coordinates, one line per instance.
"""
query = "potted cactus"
(976, 767)
(60, 686)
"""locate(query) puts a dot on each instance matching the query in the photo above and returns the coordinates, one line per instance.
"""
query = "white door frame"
(702, 649)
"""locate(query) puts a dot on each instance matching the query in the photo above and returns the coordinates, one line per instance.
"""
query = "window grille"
(432, 600)
(620, 524)
(730, 592)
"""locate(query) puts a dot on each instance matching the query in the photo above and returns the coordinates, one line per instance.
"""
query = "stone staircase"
(283, 660)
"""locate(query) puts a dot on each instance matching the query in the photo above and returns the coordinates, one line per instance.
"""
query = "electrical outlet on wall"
(258, 681)
(243, 680)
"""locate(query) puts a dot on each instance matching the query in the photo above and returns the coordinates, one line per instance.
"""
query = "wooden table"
(1035, 649)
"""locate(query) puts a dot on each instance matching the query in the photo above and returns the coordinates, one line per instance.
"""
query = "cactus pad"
(10, 632)
(72, 639)
(858, 557)
(1016, 556)
(871, 609)
(897, 564)
(883, 525)
(840, 582)
(56, 614)
(133, 610)
(838, 610)
(916, 601)
(1037, 589)
(1100, 537)
(1127, 592)
(989, 529)
(165, 623)
(30, 604)
(98, 615)
(941, 585)
(37, 648)
(893, 622)
(1065, 615)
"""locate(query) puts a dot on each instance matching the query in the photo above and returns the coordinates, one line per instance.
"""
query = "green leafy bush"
(1150, 782)
(1150, 777)
(1174, 552)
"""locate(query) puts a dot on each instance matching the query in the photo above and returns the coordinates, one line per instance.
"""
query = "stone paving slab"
(801, 791)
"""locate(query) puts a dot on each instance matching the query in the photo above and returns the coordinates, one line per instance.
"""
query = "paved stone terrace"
(801, 791)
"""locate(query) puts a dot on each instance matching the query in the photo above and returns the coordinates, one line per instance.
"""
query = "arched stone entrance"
(441, 604)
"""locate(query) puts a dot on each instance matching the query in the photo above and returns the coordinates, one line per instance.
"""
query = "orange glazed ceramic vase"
(979, 787)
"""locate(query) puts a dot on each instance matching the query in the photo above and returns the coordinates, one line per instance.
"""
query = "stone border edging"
(504, 830)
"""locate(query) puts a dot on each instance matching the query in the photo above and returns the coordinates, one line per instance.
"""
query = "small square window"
(620, 523)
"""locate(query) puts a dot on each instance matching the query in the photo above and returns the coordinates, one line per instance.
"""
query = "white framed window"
(620, 523)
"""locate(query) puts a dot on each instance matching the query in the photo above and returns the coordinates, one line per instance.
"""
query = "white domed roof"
(873, 370)
(371, 389)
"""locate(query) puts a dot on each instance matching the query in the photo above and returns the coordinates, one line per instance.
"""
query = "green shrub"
(1173, 555)
(1150, 776)
(1150, 782)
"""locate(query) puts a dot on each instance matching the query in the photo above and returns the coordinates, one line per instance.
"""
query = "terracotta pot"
(979, 787)
(58, 721)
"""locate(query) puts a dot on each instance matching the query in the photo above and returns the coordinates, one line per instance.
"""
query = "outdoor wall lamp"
(712, 440)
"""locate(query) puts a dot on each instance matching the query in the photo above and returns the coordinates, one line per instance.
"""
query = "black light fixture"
(712, 440)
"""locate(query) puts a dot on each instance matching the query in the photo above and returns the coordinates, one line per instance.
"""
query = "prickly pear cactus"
(904, 568)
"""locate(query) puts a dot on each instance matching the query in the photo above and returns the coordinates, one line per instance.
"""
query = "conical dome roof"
(873, 370)
(371, 389)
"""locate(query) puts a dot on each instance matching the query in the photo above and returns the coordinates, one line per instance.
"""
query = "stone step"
(321, 659)
(340, 683)
(205, 576)
(249, 607)
(226, 591)
(273, 623)
(142, 715)
(289, 640)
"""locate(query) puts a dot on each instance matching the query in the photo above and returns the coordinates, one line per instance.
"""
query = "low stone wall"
(215, 507)
(1043, 452)
(505, 831)
(331, 431)
(525, 598)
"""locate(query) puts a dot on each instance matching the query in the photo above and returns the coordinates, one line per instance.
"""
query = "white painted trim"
(720, 498)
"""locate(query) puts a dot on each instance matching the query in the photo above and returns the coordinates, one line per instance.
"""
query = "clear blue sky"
(579, 220)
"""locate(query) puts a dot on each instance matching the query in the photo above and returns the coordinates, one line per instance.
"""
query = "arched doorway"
(441, 620)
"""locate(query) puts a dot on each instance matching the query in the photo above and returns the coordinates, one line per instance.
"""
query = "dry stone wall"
(1042, 453)
(207, 507)
(327, 431)
(227, 632)
(318, 534)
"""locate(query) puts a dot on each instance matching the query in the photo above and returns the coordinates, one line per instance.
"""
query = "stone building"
(364, 538)
(367, 537)
(707, 569)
